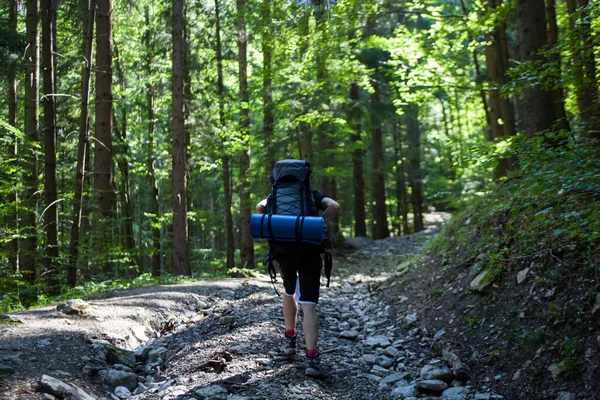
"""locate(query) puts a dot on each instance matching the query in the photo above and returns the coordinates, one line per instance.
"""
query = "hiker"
(300, 264)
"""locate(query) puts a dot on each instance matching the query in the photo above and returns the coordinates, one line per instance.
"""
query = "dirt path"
(220, 340)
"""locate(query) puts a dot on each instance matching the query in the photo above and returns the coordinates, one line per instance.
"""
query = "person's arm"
(262, 206)
(331, 208)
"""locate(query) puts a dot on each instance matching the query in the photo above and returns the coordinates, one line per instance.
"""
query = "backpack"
(290, 189)
(291, 195)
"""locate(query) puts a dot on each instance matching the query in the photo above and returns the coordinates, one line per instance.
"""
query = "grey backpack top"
(290, 189)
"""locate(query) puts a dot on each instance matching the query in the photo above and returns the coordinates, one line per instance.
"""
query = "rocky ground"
(220, 340)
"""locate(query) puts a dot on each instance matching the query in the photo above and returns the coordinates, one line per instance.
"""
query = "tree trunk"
(558, 96)
(583, 66)
(354, 116)
(13, 246)
(246, 246)
(49, 104)
(478, 75)
(268, 105)
(82, 145)
(28, 215)
(151, 174)
(326, 158)
(103, 147)
(508, 111)
(502, 115)
(538, 107)
(181, 262)
(229, 244)
(380, 228)
(414, 164)
(123, 162)
(495, 107)
(401, 194)
(589, 95)
(303, 130)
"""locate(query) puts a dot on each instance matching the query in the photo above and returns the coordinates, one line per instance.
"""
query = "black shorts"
(301, 275)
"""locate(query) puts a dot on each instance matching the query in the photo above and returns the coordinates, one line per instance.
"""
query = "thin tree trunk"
(123, 162)
(590, 93)
(103, 146)
(354, 116)
(246, 246)
(583, 65)
(49, 104)
(88, 202)
(478, 75)
(401, 193)
(325, 160)
(151, 174)
(538, 107)
(557, 93)
(507, 108)
(380, 229)
(229, 244)
(268, 105)
(28, 216)
(82, 145)
(502, 115)
(181, 260)
(104, 110)
(303, 130)
(414, 164)
(499, 107)
(482, 94)
(13, 246)
(495, 106)
(451, 173)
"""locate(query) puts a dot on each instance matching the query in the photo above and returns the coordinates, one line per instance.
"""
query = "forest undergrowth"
(514, 278)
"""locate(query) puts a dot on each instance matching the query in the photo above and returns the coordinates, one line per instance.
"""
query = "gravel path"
(220, 340)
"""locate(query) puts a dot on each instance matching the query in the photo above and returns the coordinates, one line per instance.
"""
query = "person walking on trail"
(300, 270)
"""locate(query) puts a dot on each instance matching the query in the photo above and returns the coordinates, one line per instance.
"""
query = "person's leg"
(290, 310)
(309, 278)
(310, 326)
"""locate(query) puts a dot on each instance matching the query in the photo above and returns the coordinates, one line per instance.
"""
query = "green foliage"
(547, 210)
(572, 350)
(531, 340)
(17, 300)
(242, 273)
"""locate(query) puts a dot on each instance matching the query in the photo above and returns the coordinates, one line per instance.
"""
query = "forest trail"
(220, 340)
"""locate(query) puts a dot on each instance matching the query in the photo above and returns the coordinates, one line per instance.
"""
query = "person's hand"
(261, 207)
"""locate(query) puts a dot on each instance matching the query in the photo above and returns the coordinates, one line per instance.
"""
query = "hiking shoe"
(288, 347)
(314, 369)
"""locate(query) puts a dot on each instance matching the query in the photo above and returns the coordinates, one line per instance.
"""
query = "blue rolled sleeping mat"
(287, 228)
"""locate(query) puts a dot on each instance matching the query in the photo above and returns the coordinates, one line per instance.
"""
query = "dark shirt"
(318, 196)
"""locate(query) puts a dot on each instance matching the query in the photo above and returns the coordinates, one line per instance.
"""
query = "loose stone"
(432, 386)
(60, 389)
(227, 319)
(432, 372)
(396, 377)
(349, 334)
(212, 390)
(377, 341)
(122, 392)
(405, 392)
(384, 361)
(455, 393)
